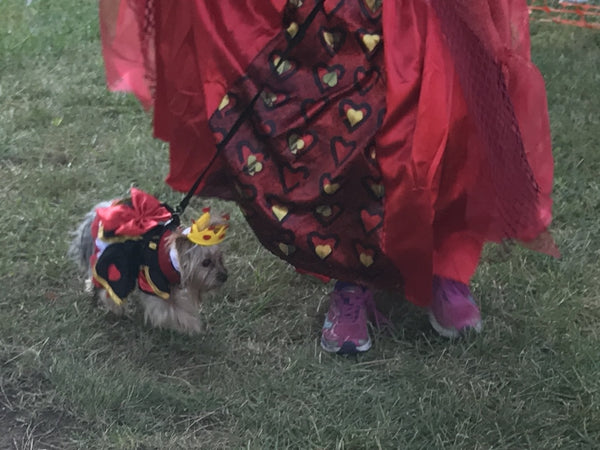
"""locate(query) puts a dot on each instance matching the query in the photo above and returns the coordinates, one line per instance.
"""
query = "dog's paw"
(108, 304)
(191, 325)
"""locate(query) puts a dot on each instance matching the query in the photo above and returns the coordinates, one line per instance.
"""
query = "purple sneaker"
(345, 329)
(453, 310)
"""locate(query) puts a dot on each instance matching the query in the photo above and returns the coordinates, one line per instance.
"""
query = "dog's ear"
(181, 243)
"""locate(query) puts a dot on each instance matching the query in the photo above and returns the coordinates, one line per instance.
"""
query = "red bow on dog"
(134, 216)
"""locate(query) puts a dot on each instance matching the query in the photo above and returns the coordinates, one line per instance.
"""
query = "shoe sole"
(347, 348)
(452, 333)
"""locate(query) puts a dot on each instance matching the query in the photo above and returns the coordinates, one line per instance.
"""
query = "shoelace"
(451, 289)
(352, 300)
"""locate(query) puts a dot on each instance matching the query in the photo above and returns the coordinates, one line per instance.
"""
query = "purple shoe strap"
(380, 319)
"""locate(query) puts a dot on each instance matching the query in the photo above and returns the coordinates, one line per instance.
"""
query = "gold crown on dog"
(202, 233)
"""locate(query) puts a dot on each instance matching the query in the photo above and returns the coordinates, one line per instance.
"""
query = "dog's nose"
(222, 277)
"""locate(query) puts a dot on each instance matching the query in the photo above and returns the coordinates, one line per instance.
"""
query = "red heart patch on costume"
(113, 273)
(341, 150)
(219, 135)
(365, 79)
(371, 220)
(266, 128)
(292, 177)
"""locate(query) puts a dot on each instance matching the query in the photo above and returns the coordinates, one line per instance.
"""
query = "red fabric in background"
(124, 60)
(440, 202)
(202, 47)
(439, 198)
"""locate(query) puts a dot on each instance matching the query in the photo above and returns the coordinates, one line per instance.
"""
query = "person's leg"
(452, 310)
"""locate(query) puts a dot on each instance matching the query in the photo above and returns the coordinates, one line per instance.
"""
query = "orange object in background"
(580, 14)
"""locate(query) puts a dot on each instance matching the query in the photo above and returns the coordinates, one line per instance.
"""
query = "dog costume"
(131, 238)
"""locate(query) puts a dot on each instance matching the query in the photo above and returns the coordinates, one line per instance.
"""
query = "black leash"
(177, 211)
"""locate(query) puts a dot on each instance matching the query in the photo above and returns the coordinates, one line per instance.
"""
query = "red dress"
(367, 141)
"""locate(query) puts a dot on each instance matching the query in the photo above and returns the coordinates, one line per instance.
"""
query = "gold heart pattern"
(370, 41)
(332, 39)
(366, 255)
(329, 38)
(354, 116)
(306, 164)
(224, 103)
(331, 188)
(286, 249)
(292, 30)
(280, 211)
(283, 67)
(366, 260)
(374, 5)
(324, 210)
(253, 165)
(301, 143)
(323, 251)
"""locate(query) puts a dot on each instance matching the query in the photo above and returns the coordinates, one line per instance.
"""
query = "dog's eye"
(207, 262)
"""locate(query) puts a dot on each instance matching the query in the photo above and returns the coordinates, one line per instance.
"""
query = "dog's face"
(201, 266)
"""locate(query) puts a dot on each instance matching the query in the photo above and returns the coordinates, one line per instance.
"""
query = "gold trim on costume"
(115, 239)
(157, 291)
(105, 284)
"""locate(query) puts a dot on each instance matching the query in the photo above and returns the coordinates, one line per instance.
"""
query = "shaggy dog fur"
(200, 267)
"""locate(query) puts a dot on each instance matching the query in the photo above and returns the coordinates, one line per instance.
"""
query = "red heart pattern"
(371, 220)
(304, 164)
(341, 150)
(292, 177)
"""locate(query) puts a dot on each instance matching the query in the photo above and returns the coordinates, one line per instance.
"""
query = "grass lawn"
(74, 377)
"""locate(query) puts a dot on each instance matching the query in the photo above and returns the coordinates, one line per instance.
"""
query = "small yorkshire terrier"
(138, 240)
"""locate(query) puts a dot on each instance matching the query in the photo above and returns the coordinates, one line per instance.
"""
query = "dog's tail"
(83, 243)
